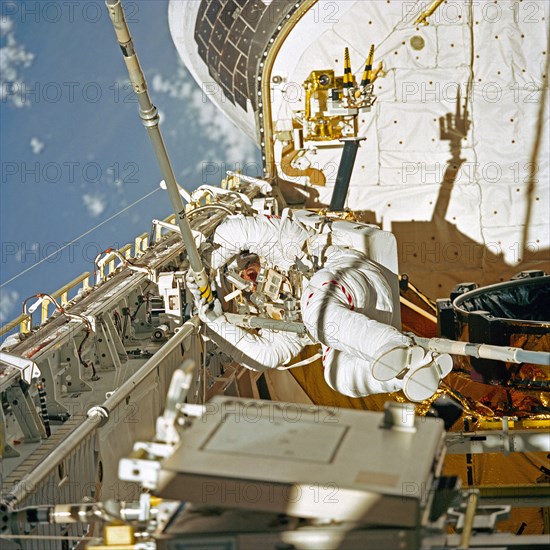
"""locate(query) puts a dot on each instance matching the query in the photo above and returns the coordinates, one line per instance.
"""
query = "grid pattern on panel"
(231, 36)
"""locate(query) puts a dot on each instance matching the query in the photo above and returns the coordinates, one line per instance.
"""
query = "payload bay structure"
(455, 158)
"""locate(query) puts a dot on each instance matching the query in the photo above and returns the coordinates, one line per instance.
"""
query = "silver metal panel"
(307, 441)
(343, 464)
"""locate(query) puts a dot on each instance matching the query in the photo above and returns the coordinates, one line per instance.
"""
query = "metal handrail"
(96, 416)
(140, 245)
(19, 320)
(63, 293)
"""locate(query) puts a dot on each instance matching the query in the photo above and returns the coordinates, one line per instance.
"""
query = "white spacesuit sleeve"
(349, 375)
(328, 314)
(362, 355)
(280, 242)
(257, 351)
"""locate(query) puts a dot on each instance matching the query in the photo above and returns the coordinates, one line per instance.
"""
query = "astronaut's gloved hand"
(395, 362)
(208, 313)
(422, 380)
(421, 372)
(193, 286)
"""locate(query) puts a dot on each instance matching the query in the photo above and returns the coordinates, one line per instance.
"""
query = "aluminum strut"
(150, 118)
(483, 351)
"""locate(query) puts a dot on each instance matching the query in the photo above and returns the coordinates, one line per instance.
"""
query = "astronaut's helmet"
(249, 267)
(259, 288)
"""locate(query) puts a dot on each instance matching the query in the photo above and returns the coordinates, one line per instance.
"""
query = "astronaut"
(346, 305)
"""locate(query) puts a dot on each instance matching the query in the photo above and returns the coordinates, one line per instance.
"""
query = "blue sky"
(73, 151)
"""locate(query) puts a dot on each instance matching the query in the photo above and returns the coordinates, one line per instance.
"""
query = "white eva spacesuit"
(346, 305)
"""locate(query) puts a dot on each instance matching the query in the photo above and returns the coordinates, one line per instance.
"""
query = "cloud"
(37, 145)
(114, 179)
(220, 130)
(179, 87)
(13, 58)
(95, 204)
(8, 300)
(27, 253)
(6, 25)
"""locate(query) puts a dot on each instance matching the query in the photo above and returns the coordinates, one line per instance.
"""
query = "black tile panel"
(240, 83)
(230, 13)
(241, 63)
(228, 94)
(233, 34)
(240, 99)
(203, 48)
(213, 62)
(226, 78)
(230, 56)
(211, 9)
(219, 36)
(245, 39)
(236, 31)
(203, 30)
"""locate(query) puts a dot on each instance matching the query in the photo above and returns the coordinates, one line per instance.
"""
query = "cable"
(118, 322)
(199, 209)
(44, 407)
(98, 264)
(57, 251)
(125, 324)
(79, 353)
(145, 298)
